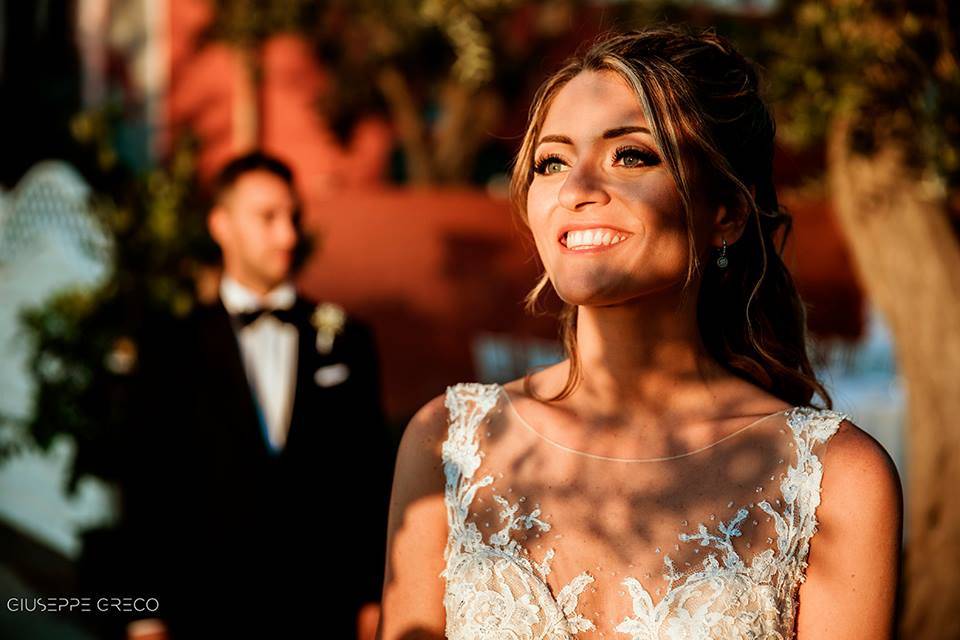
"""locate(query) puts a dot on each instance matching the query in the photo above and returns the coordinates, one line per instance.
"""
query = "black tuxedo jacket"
(231, 536)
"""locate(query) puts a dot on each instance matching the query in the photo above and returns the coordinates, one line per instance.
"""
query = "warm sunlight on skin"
(412, 603)
(645, 370)
(256, 226)
(589, 187)
(585, 178)
(598, 167)
(640, 347)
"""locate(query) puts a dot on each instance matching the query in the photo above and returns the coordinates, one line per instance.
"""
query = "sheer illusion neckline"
(529, 427)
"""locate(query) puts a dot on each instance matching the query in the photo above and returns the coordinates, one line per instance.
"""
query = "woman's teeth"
(591, 238)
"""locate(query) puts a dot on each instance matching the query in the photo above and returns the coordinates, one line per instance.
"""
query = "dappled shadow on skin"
(416, 534)
(618, 515)
(619, 519)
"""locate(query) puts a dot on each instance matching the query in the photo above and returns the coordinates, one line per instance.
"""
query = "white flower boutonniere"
(329, 319)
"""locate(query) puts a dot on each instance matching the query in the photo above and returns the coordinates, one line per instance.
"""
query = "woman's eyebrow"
(616, 132)
(622, 131)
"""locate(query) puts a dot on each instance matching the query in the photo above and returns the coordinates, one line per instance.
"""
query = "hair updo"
(701, 99)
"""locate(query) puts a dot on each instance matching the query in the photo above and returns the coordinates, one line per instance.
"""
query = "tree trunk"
(909, 262)
(409, 126)
(468, 116)
(246, 100)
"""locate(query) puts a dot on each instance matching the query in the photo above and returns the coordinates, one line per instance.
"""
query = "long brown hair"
(702, 102)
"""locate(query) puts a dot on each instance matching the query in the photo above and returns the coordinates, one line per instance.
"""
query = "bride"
(670, 478)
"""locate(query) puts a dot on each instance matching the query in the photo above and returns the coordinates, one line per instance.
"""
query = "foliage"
(442, 71)
(892, 66)
(250, 22)
(84, 340)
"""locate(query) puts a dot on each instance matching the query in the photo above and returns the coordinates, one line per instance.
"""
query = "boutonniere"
(328, 318)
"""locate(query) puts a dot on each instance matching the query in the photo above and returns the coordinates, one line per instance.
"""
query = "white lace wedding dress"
(547, 542)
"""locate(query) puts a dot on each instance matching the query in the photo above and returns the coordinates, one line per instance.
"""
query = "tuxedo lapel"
(305, 364)
(231, 391)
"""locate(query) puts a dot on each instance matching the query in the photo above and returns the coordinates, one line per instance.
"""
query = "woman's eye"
(544, 164)
(629, 157)
(633, 157)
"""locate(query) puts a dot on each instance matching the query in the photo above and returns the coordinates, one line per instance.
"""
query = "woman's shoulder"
(855, 556)
(420, 451)
(427, 427)
(859, 475)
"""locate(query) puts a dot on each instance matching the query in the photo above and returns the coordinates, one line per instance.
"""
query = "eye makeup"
(647, 157)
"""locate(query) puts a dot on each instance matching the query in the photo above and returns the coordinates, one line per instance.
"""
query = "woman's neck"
(647, 361)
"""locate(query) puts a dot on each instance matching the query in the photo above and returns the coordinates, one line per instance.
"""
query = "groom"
(263, 461)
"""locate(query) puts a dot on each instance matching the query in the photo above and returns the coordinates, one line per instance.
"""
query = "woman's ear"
(731, 219)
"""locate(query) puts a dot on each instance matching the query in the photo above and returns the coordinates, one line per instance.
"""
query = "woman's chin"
(588, 296)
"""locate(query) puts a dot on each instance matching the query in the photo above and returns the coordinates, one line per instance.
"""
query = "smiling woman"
(689, 145)
(667, 479)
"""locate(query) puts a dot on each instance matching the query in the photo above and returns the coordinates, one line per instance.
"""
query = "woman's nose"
(582, 186)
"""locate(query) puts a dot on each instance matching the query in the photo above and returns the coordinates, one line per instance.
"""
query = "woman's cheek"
(541, 239)
(538, 228)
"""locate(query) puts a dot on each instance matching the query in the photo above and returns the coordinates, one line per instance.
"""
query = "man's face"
(256, 226)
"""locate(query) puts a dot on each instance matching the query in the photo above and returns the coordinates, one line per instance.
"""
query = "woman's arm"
(850, 592)
(412, 602)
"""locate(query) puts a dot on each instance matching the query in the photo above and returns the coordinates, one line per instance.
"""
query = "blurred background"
(400, 119)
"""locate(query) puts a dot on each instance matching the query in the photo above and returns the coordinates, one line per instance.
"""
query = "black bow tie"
(246, 317)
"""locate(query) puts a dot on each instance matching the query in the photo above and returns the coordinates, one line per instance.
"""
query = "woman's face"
(605, 213)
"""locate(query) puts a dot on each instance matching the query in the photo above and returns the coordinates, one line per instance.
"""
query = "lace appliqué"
(494, 590)
(737, 600)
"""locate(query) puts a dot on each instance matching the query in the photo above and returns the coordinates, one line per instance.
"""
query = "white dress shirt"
(269, 349)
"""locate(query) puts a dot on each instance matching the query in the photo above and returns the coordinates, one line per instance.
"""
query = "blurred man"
(264, 459)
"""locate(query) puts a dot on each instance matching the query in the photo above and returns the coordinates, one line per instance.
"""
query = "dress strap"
(801, 488)
(467, 404)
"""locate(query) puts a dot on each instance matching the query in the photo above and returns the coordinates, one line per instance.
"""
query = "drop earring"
(722, 261)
